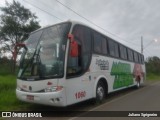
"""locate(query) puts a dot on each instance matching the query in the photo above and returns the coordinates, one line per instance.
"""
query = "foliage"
(8, 96)
(16, 23)
(5, 68)
(153, 65)
(152, 77)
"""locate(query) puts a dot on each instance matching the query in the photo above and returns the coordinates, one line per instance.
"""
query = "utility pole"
(142, 44)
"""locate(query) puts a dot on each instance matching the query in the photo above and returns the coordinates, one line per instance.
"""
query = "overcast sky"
(127, 19)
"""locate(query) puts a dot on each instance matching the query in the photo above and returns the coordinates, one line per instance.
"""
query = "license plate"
(30, 97)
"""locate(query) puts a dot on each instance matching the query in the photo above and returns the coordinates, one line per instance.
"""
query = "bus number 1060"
(81, 94)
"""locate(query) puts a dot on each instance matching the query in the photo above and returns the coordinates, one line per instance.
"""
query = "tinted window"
(142, 59)
(104, 46)
(130, 55)
(123, 52)
(111, 47)
(97, 42)
(139, 58)
(83, 36)
(135, 57)
(116, 50)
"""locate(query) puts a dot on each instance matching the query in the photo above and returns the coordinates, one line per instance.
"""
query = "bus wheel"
(100, 92)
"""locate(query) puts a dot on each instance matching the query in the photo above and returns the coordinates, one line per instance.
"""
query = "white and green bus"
(70, 62)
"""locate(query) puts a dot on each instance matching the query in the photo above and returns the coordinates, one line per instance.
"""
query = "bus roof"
(81, 23)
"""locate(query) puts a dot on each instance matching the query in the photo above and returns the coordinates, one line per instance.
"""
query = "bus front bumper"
(48, 98)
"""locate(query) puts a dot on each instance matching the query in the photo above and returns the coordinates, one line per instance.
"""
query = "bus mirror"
(73, 46)
(70, 37)
(15, 50)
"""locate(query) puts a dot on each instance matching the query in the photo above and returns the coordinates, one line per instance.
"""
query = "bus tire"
(100, 92)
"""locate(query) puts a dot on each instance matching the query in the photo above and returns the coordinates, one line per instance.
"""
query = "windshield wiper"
(31, 61)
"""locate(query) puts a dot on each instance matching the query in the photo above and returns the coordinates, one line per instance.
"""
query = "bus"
(70, 62)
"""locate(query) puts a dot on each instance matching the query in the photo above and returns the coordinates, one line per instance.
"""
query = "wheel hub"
(100, 92)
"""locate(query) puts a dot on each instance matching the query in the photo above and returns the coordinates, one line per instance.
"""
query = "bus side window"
(142, 57)
(116, 46)
(139, 59)
(97, 42)
(104, 46)
(130, 55)
(111, 47)
(100, 44)
(122, 52)
(135, 57)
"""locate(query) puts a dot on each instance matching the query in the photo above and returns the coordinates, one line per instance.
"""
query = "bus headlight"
(54, 89)
(18, 88)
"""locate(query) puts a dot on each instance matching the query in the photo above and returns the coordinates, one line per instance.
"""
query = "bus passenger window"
(116, 46)
(135, 57)
(142, 57)
(111, 48)
(97, 43)
(130, 54)
(104, 46)
(123, 52)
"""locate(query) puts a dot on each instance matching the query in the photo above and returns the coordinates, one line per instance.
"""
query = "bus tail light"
(54, 89)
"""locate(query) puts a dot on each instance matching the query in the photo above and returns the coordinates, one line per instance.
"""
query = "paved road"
(147, 98)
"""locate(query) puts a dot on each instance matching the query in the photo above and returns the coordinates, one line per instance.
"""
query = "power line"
(92, 22)
(42, 10)
(50, 7)
(148, 52)
(78, 15)
(150, 43)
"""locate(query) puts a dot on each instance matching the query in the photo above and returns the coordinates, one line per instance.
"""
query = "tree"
(153, 65)
(16, 23)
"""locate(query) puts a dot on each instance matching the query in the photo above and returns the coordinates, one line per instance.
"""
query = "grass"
(8, 100)
(152, 77)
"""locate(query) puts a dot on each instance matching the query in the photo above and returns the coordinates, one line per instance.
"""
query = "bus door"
(78, 84)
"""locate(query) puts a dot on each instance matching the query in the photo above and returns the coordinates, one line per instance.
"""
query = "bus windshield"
(45, 54)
